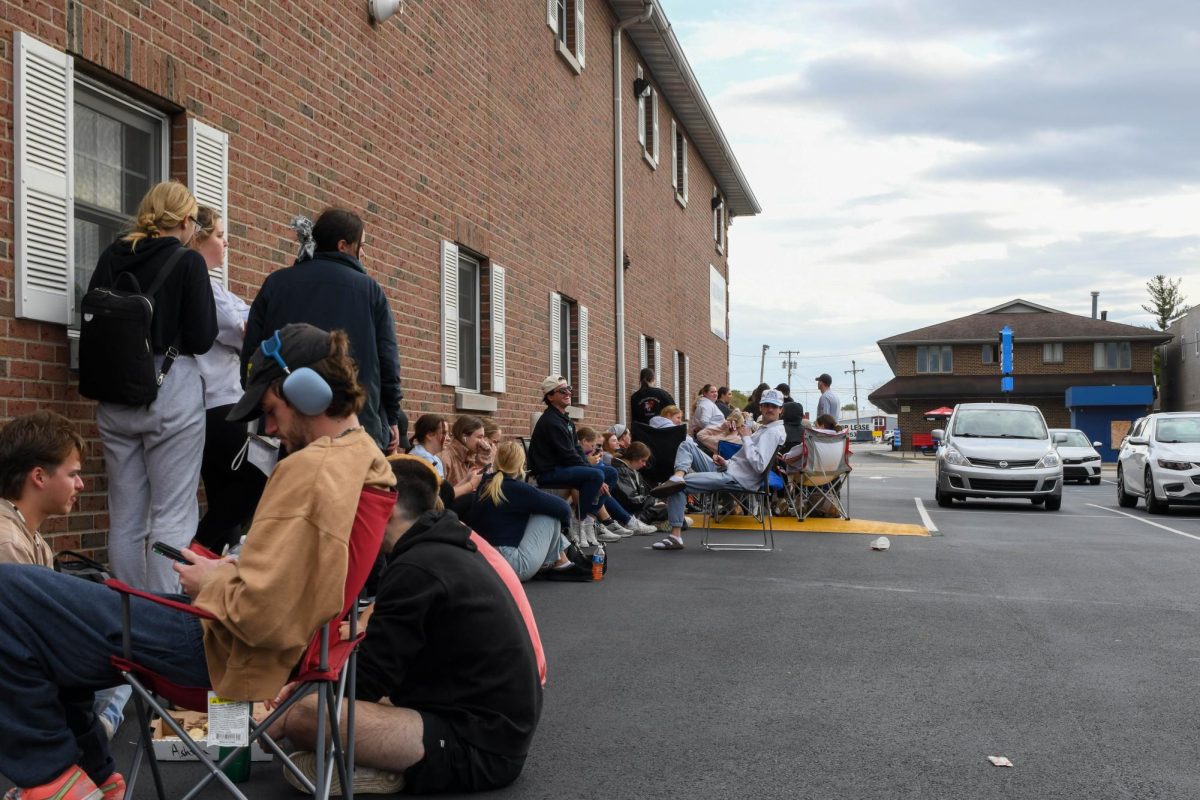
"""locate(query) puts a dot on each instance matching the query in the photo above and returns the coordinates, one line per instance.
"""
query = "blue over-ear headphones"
(304, 389)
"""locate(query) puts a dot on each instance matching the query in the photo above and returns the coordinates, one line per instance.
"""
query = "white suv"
(1160, 462)
(998, 450)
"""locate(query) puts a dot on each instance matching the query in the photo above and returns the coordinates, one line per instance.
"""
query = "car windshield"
(999, 423)
(1075, 439)
(1177, 430)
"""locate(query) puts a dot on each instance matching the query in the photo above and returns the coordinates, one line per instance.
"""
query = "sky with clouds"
(920, 160)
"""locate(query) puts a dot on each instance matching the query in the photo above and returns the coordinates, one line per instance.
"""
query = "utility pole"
(762, 363)
(788, 364)
(854, 370)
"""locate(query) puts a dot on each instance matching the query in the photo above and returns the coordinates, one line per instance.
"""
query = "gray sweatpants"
(153, 456)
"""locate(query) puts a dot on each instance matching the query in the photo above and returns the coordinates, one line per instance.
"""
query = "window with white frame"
(682, 383)
(648, 122)
(1052, 353)
(473, 342)
(719, 220)
(566, 19)
(650, 354)
(84, 155)
(1111, 355)
(937, 358)
(569, 344)
(679, 163)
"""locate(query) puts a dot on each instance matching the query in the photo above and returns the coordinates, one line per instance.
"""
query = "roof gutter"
(619, 204)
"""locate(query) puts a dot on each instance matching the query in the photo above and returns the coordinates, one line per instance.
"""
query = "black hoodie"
(446, 638)
(184, 305)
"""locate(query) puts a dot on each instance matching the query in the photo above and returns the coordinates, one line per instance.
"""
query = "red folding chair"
(327, 668)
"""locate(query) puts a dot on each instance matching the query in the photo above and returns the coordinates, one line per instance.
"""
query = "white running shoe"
(640, 528)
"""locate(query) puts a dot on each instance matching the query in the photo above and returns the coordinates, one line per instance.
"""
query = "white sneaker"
(612, 526)
(575, 534)
(367, 780)
(640, 528)
(607, 535)
(587, 533)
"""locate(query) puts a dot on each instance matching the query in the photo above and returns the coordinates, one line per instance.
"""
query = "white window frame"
(679, 164)
(1124, 353)
(464, 381)
(451, 254)
(572, 33)
(643, 352)
(649, 148)
(208, 177)
(1052, 352)
(675, 373)
(579, 353)
(497, 303)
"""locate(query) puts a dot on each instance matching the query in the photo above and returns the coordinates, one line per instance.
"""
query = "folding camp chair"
(326, 668)
(820, 474)
(663, 444)
(757, 500)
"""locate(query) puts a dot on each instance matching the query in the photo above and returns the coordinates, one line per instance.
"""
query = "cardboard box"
(169, 747)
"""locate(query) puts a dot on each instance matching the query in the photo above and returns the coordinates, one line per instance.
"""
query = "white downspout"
(619, 206)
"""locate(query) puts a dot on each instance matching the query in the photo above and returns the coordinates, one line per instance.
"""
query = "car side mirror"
(1138, 440)
(938, 433)
(1097, 445)
(1060, 438)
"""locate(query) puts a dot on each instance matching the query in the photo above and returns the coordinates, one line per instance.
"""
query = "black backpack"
(116, 356)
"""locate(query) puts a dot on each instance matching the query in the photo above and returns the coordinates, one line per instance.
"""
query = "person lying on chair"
(447, 647)
(58, 634)
(696, 472)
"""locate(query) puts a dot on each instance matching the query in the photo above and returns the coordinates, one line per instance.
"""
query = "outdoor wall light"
(641, 88)
(717, 202)
(383, 10)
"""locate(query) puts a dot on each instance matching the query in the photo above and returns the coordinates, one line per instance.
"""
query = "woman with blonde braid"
(152, 453)
(525, 524)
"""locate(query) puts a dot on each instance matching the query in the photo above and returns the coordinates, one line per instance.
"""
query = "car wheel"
(1054, 503)
(1037, 501)
(1124, 499)
(1153, 504)
(944, 500)
(1094, 481)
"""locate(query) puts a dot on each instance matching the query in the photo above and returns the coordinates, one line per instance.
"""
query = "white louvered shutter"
(580, 48)
(684, 163)
(44, 181)
(642, 351)
(208, 176)
(681, 402)
(658, 365)
(687, 388)
(556, 334)
(499, 355)
(642, 113)
(449, 313)
(674, 158)
(552, 15)
(583, 356)
(654, 113)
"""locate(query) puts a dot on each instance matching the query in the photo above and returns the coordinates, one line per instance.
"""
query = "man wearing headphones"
(58, 633)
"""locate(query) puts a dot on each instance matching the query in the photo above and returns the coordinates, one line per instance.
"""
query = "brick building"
(1082, 372)
(516, 228)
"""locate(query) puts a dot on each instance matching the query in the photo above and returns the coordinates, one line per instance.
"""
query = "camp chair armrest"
(187, 608)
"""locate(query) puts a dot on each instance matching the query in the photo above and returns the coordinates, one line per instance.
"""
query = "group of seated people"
(467, 528)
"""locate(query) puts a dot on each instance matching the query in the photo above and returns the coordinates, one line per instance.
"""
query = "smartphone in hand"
(169, 552)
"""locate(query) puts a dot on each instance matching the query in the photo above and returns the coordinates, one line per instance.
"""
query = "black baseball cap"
(300, 345)
(824, 378)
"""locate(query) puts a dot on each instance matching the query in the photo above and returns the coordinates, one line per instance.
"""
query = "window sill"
(575, 412)
(568, 56)
(466, 400)
(649, 159)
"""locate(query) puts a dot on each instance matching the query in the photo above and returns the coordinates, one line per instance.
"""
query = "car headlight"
(1049, 460)
(955, 458)
(1165, 464)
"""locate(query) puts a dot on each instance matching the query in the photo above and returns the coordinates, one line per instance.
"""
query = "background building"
(1082, 372)
(476, 139)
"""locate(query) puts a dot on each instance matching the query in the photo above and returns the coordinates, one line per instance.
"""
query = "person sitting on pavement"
(429, 442)
(447, 648)
(40, 477)
(648, 401)
(610, 447)
(58, 634)
(525, 524)
(466, 451)
(594, 451)
(557, 461)
(696, 472)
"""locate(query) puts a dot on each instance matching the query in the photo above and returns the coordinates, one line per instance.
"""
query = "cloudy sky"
(919, 160)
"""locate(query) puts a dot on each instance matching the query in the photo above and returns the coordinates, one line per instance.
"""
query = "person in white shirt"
(696, 472)
(706, 413)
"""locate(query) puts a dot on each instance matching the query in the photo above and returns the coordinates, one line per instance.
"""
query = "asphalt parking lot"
(1064, 641)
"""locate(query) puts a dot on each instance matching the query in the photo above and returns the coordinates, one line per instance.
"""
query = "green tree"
(849, 407)
(1167, 304)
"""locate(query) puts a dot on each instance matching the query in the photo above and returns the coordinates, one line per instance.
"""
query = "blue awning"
(1080, 396)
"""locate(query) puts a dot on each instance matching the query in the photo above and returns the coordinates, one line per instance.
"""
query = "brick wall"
(913, 421)
(455, 120)
(1078, 357)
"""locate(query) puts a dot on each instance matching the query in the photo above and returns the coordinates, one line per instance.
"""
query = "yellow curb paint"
(824, 525)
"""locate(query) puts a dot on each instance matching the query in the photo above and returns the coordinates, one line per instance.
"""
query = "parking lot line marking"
(1147, 521)
(929, 526)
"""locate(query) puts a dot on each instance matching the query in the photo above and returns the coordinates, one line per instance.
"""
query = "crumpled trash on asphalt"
(881, 543)
(999, 761)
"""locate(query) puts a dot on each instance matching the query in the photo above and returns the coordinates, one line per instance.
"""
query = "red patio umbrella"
(944, 411)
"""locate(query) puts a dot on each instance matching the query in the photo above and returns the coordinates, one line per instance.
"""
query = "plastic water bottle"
(598, 564)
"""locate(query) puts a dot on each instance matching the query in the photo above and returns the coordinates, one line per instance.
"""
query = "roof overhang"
(663, 55)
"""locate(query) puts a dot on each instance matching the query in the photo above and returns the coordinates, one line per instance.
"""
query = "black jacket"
(647, 402)
(184, 305)
(631, 491)
(553, 443)
(333, 292)
(447, 638)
